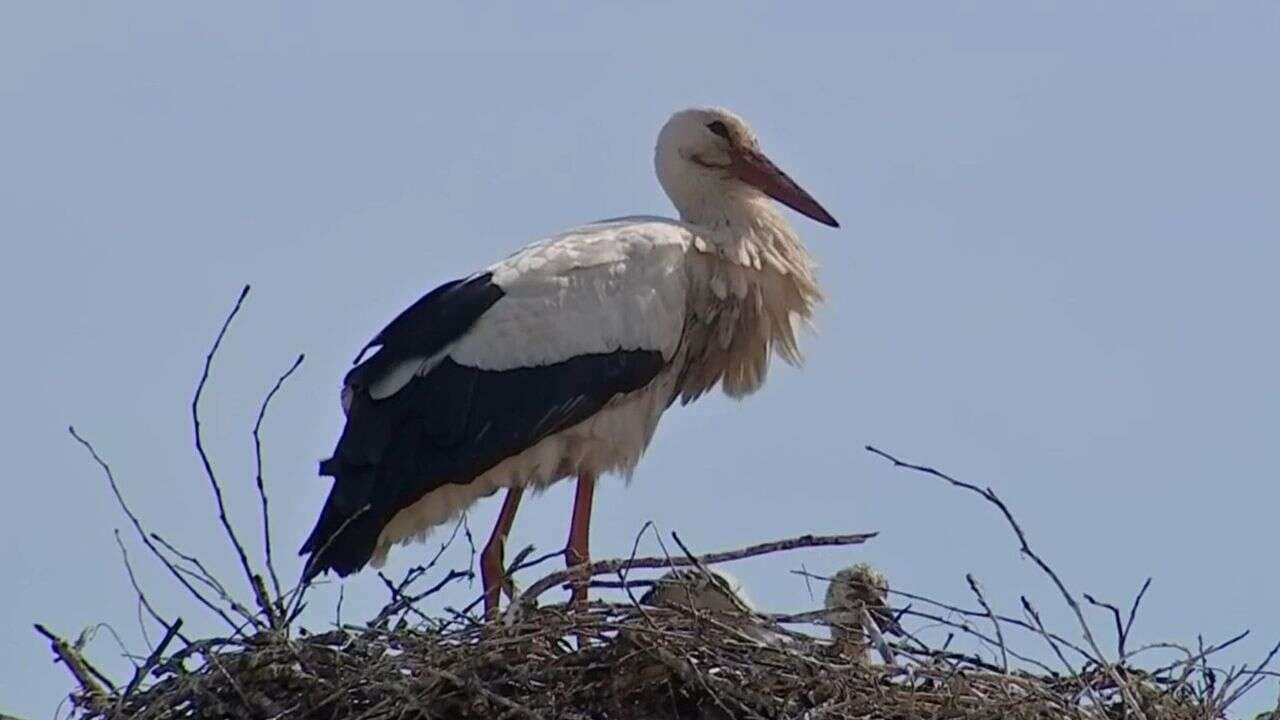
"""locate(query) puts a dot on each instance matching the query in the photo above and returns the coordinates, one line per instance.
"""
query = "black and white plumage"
(559, 360)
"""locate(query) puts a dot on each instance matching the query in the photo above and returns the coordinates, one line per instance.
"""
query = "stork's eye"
(719, 128)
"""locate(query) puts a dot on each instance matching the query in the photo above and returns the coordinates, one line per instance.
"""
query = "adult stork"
(558, 361)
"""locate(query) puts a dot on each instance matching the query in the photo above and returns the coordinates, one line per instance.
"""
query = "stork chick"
(856, 595)
(713, 591)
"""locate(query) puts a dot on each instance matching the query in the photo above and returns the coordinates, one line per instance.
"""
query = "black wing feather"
(450, 425)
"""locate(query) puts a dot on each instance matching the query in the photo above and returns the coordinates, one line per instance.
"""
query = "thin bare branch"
(208, 579)
(1133, 610)
(152, 660)
(1115, 616)
(977, 591)
(262, 489)
(404, 602)
(146, 540)
(990, 496)
(264, 603)
(142, 597)
(614, 566)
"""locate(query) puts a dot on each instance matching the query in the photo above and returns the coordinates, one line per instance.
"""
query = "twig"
(142, 597)
(518, 564)
(977, 591)
(708, 577)
(263, 603)
(1256, 675)
(300, 590)
(990, 496)
(262, 490)
(493, 697)
(471, 543)
(873, 633)
(624, 573)
(523, 562)
(152, 660)
(1075, 675)
(412, 574)
(84, 673)
(202, 574)
(407, 601)
(137, 525)
(1115, 616)
(1133, 611)
(822, 615)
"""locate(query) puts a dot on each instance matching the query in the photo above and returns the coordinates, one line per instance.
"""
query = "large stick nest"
(616, 661)
(632, 660)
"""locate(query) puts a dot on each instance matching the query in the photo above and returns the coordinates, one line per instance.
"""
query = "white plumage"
(559, 360)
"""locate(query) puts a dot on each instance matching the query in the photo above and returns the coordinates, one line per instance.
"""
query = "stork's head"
(855, 588)
(708, 159)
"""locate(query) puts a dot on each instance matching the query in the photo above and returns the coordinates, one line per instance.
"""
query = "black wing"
(449, 425)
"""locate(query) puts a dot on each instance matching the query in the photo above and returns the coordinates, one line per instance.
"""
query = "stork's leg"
(493, 574)
(577, 552)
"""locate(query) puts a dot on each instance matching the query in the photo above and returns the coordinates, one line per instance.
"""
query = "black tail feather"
(347, 532)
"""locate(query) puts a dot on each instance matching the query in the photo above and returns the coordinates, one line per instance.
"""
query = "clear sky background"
(1055, 275)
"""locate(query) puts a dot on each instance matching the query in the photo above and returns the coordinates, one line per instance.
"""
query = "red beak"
(753, 168)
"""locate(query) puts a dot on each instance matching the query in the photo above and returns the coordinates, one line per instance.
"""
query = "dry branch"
(278, 612)
(264, 603)
(146, 539)
(990, 496)
(91, 680)
(609, 567)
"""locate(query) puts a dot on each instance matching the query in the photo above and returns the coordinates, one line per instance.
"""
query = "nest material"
(607, 661)
(616, 661)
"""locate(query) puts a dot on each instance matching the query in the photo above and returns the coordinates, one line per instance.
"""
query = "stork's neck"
(717, 210)
(745, 218)
(728, 214)
(752, 288)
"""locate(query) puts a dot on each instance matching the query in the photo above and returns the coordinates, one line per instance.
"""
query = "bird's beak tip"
(755, 169)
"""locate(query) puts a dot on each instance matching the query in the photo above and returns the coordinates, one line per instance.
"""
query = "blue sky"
(1055, 276)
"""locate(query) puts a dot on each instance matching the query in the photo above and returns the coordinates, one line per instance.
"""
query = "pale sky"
(1055, 275)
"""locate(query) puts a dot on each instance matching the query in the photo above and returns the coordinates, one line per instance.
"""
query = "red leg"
(577, 552)
(493, 575)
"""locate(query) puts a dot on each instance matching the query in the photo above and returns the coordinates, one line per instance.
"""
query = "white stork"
(558, 361)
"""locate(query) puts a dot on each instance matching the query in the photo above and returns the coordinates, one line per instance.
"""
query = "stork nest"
(620, 661)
